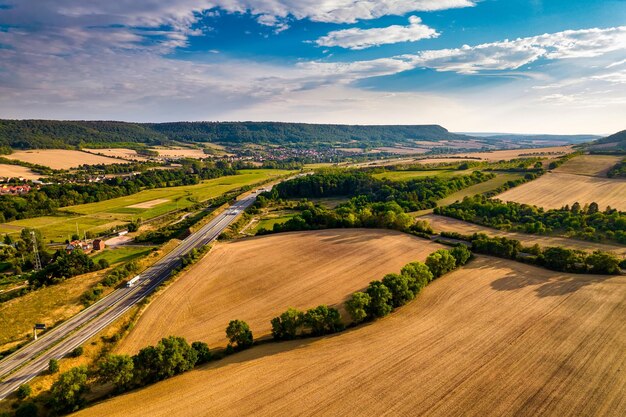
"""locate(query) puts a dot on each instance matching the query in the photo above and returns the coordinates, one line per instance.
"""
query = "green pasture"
(409, 175)
(269, 222)
(123, 253)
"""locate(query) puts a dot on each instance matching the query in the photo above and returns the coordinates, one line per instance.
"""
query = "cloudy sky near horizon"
(532, 66)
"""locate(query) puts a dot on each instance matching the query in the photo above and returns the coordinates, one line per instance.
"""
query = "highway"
(26, 363)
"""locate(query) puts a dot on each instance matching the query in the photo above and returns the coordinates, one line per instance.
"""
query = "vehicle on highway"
(132, 282)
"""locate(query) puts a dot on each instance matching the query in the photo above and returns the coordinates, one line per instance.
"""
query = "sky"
(519, 66)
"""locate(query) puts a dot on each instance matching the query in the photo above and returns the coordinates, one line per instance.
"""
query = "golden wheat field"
(17, 171)
(555, 190)
(61, 158)
(257, 279)
(129, 154)
(496, 338)
(447, 224)
(593, 165)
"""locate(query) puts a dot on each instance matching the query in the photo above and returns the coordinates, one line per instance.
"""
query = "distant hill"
(29, 134)
(615, 142)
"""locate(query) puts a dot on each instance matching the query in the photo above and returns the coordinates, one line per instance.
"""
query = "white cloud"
(356, 38)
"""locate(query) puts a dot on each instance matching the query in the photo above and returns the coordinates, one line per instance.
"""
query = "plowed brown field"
(495, 338)
(257, 279)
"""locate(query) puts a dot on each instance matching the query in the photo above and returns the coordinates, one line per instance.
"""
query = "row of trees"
(553, 257)
(583, 222)
(618, 170)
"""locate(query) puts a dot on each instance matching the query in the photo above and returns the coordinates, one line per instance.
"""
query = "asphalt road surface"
(32, 359)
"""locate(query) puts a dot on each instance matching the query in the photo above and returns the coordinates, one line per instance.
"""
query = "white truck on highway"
(132, 282)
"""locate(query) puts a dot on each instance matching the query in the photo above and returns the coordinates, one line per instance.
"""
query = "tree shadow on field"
(546, 283)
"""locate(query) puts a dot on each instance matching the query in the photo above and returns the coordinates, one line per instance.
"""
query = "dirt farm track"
(496, 338)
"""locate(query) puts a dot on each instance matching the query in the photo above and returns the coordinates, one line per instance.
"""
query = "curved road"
(32, 359)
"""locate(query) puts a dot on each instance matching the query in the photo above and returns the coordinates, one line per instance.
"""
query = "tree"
(23, 391)
(603, 263)
(78, 351)
(239, 333)
(440, 262)
(66, 393)
(358, 305)
(399, 287)
(593, 208)
(171, 356)
(285, 326)
(117, 370)
(202, 351)
(418, 274)
(28, 409)
(322, 320)
(380, 299)
(461, 254)
(53, 366)
(103, 263)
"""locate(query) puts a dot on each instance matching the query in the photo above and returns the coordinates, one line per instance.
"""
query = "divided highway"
(32, 359)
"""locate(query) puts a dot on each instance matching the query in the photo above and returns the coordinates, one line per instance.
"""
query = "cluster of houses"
(15, 189)
(86, 246)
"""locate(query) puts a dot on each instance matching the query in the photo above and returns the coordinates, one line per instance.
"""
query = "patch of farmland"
(177, 153)
(447, 224)
(129, 154)
(496, 338)
(149, 204)
(257, 279)
(555, 190)
(17, 171)
(61, 158)
(593, 165)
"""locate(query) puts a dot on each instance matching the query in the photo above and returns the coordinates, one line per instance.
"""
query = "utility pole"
(36, 258)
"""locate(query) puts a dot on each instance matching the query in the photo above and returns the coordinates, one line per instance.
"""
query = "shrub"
(285, 326)
(358, 305)
(66, 393)
(399, 287)
(461, 254)
(440, 262)
(28, 409)
(78, 351)
(380, 304)
(322, 320)
(53, 366)
(117, 370)
(239, 333)
(103, 263)
(202, 352)
(24, 391)
(171, 356)
(418, 274)
(603, 263)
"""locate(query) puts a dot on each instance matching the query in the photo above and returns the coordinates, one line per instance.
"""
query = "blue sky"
(535, 66)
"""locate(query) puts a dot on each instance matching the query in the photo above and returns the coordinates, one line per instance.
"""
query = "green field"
(269, 222)
(101, 216)
(123, 253)
(409, 175)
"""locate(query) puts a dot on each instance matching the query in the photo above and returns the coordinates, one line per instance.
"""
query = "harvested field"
(149, 204)
(550, 153)
(247, 280)
(129, 154)
(61, 158)
(402, 150)
(17, 171)
(496, 338)
(593, 165)
(177, 153)
(555, 190)
(447, 224)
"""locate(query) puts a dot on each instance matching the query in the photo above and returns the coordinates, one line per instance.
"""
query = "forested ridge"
(34, 134)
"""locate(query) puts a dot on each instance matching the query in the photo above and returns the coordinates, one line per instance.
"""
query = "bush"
(239, 334)
(399, 287)
(28, 409)
(171, 356)
(418, 275)
(117, 370)
(322, 320)
(78, 351)
(53, 366)
(66, 393)
(380, 296)
(440, 262)
(461, 254)
(202, 352)
(103, 263)
(285, 326)
(358, 305)
(24, 391)
(603, 263)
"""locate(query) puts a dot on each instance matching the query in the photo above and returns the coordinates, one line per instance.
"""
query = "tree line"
(582, 222)
(555, 258)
